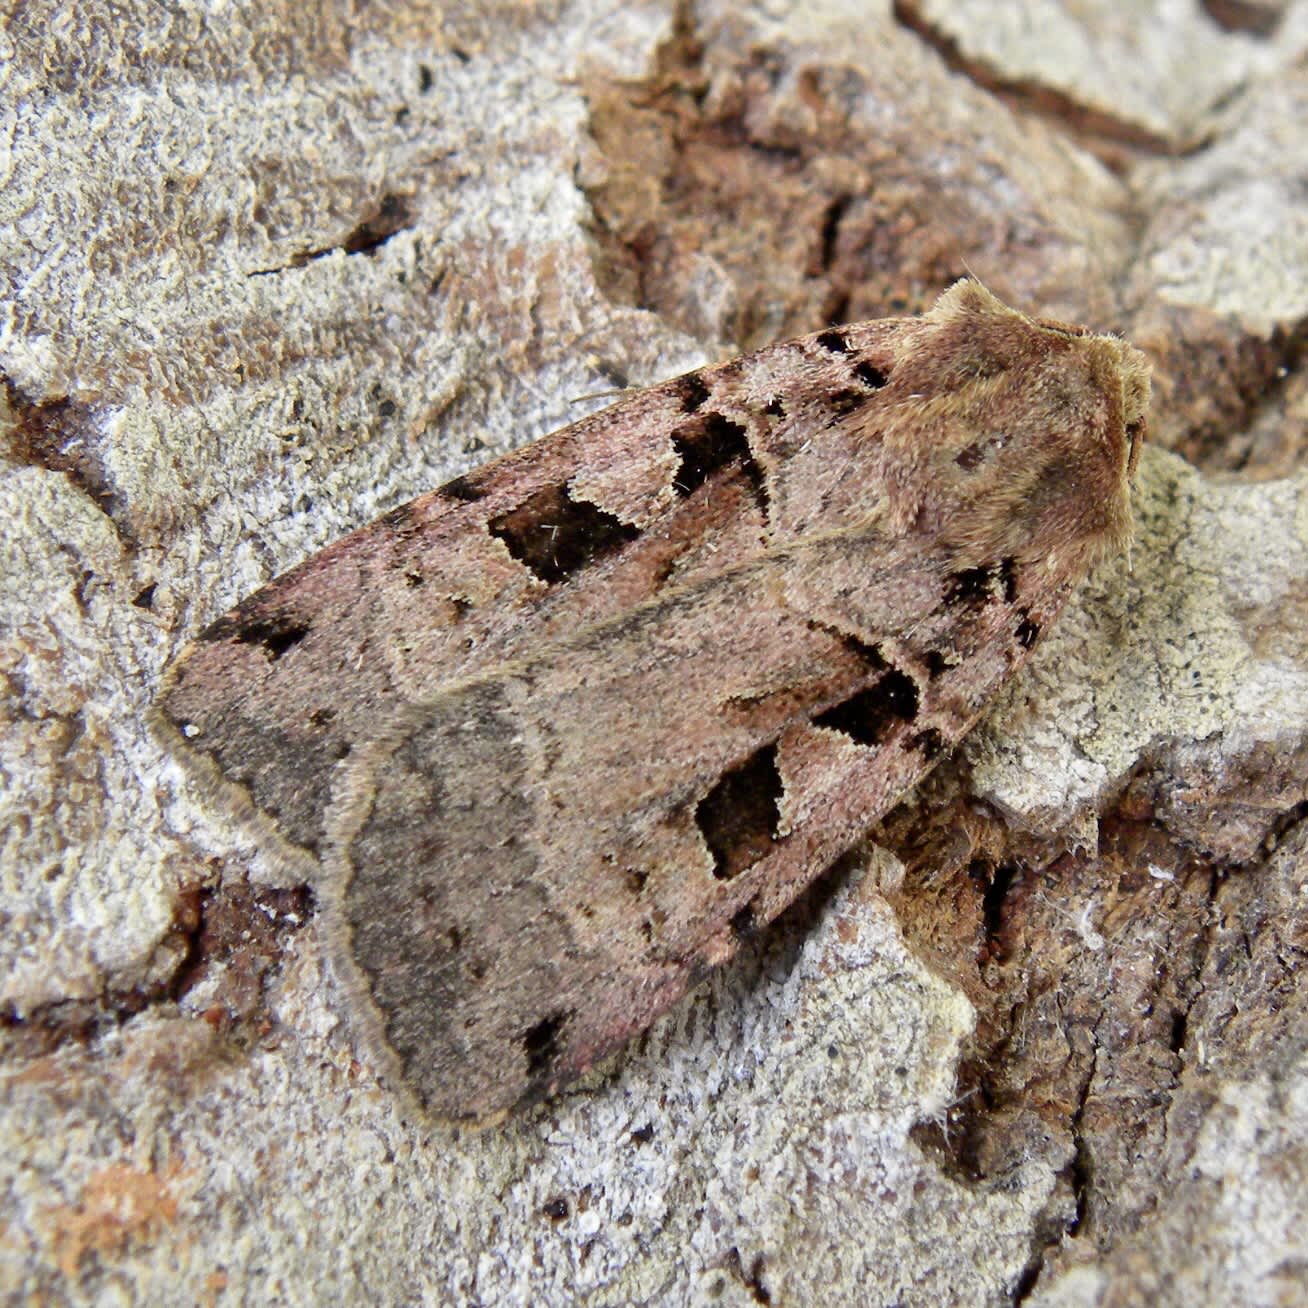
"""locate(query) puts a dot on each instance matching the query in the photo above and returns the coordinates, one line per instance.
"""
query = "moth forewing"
(555, 736)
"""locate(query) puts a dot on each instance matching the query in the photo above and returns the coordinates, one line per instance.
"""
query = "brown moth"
(550, 739)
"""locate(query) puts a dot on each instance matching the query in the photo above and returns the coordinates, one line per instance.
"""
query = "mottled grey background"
(269, 272)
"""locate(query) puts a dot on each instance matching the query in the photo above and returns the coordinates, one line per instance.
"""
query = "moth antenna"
(616, 394)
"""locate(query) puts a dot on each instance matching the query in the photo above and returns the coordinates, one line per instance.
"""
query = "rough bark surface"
(269, 273)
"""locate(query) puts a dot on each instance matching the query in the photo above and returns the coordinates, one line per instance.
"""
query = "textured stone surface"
(1149, 73)
(267, 274)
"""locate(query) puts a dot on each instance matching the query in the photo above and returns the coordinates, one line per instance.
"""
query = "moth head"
(1131, 368)
(1022, 434)
(1135, 403)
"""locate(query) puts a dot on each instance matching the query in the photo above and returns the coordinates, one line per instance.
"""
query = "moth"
(551, 739)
